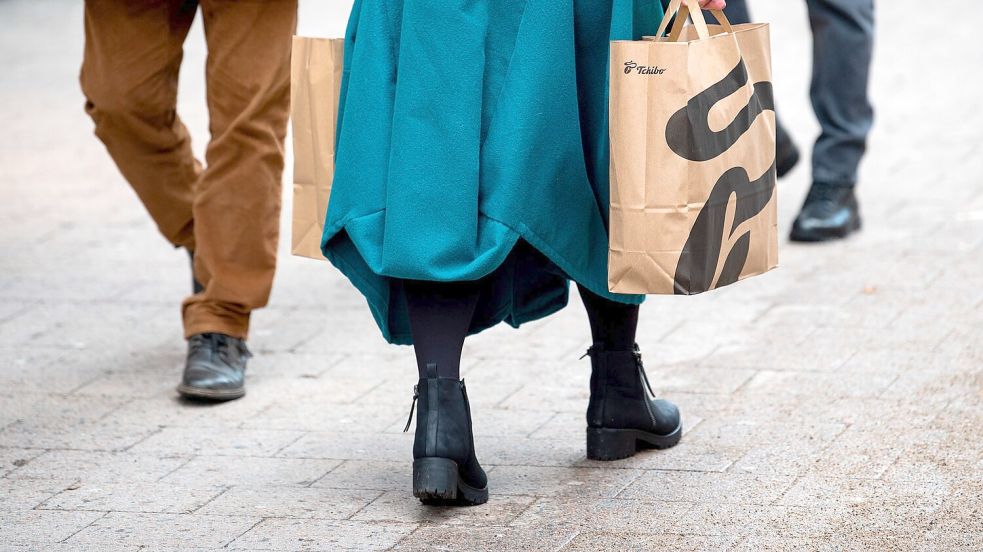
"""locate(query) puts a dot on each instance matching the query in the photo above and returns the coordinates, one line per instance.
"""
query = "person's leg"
(612, 325)
(445, 467)
(440, 315)
(843, 45)
(133, 53)
(623, 414)
(237, 201)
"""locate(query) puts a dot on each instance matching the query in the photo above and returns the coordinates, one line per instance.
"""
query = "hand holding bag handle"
(683, 9)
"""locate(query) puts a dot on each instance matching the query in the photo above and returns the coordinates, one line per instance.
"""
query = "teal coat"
(472, 144)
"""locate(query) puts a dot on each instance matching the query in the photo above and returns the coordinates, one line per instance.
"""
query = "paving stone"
(34, 527)
(22, 495)
(461, 538)
(605, 515)
(370, 474)
(131, 497)
(295, 534)
(188, 441)
(401, 507)
(707, 487)
(98, 467)
(516, 451)
(38, 370)
(835, 385)
(938, 388)
(824, 490)
(310, 414)
(162, 530)
(105, 435)
(14, 458)
(352, 446)
(291, 502)
(168, 409)
(551, 398)
(592, 541)
(212, 471)
(768, 521)
(567, 482)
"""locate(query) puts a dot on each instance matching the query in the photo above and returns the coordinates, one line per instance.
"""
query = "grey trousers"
(843, 44)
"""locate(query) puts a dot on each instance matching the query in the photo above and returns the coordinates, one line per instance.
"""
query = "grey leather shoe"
(216, 368)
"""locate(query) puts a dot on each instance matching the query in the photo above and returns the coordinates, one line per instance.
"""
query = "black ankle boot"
(623, 415)
(445, 468)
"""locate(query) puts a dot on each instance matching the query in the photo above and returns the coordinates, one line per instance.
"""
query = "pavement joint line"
(224, 489)
(570, 539)
(237, 537)
(178, 467)
(287, 445)
(90, 524)
(156, 431)
(366, 505)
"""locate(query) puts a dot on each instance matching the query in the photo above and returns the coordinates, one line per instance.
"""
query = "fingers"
(713, 4)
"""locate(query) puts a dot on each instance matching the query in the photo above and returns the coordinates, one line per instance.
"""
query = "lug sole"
(217, 395)
(437, 482)
(618, 444)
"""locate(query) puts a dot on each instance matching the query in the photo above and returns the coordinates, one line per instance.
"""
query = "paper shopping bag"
(692, 129)
(316, 67)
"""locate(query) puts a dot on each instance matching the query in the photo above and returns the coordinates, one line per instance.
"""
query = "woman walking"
(471, 187)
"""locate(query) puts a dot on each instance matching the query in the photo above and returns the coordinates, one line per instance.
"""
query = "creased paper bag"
(316, 67)
(693, 204)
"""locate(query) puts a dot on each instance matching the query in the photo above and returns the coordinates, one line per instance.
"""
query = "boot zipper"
(644, 377)
(416, 395)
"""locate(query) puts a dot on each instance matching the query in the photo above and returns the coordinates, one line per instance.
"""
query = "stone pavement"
(835, 404)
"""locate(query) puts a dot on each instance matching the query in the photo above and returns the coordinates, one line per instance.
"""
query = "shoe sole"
(214, 395)
(814, 237)
(618, 444)
(437, 482)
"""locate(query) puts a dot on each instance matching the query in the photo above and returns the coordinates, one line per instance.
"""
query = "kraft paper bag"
(316, 68)
(693, 203)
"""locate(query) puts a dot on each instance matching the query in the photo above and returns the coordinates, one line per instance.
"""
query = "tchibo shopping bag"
(693, 204)
(316, 67)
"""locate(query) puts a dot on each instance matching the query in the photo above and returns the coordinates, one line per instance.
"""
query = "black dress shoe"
(445, 468)
(830, 212)
(623, 415)
(196, 286)
(216, 368)
(786, 157)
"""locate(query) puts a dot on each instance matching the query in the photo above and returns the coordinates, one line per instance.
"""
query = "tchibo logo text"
(631, 66)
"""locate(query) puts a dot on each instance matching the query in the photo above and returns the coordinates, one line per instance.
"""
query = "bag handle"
(684, 9)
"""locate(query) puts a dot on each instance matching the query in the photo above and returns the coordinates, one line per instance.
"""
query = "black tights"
(440, 315)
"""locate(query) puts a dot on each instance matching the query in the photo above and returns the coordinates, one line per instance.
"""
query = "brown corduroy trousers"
(227, 211)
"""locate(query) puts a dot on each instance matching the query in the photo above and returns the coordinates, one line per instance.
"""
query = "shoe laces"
(228, 348)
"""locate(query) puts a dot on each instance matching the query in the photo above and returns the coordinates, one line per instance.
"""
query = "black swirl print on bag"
(688, 132)
(689, 135)
(698, 261)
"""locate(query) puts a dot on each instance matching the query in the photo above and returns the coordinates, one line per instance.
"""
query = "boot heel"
(435, 478)
(610, 444)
